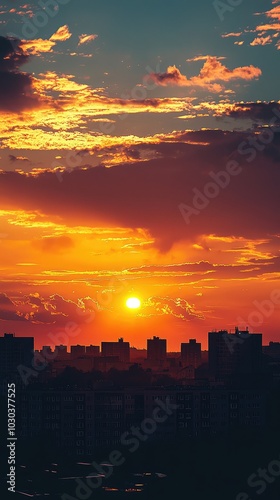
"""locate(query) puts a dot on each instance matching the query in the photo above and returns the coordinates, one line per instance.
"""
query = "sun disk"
(133, 303)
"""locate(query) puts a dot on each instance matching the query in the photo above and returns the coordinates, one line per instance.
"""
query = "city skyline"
(143, 417)
(229, 356)
(69, 342)
(139, 243)
(138, 160)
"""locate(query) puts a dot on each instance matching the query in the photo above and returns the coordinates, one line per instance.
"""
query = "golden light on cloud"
(133, 303)
(86, 38)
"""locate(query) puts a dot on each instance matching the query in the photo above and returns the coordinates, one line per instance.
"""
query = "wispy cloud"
(232, 34)
(86, 38)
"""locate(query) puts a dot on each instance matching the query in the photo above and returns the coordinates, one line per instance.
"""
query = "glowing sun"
(133, 303)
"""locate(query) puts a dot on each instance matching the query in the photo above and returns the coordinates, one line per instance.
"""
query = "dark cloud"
(253, 267)
(15, 86)
(265, 112)
(11, 55)
(9, 310)
(148, 194)
(53, 310)
(13, 158)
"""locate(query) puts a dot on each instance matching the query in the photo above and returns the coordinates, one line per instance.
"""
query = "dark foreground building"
(16, 353)
(81, 421)
(238, 353)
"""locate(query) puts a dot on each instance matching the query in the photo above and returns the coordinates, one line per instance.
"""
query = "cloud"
(166, 306)
(274, 15)
(213, 71)
(64, 106)
(153, 190)
(204, 58)
(265, 112)
(184, 267)
(62, 34)
(228, 35)
(269, 27)
(261, 29)
(86, 38)
(190, 271)
(50, 310)
(39, 46)
(54, 244)
(9, 310)
(13, 158)
(261, 40)
(57, 311)
(11, 54)
(16, 91)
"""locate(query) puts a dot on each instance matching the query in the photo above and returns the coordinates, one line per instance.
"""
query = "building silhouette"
(81, 421)
(272, 350)
(191, 353)
(156, 349)
(92, 350)
(77, 351)
(61, 352)
(15, 352)
(120, 349)
(234, 353)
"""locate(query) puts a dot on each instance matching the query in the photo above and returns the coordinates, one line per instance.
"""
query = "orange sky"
(55, 273)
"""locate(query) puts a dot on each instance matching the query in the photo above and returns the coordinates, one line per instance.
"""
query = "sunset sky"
(140, 149)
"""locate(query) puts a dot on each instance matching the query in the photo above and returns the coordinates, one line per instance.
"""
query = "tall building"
(156, 349)
(120, 349)
(234, 353)
(15, 352)
(191, 353)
